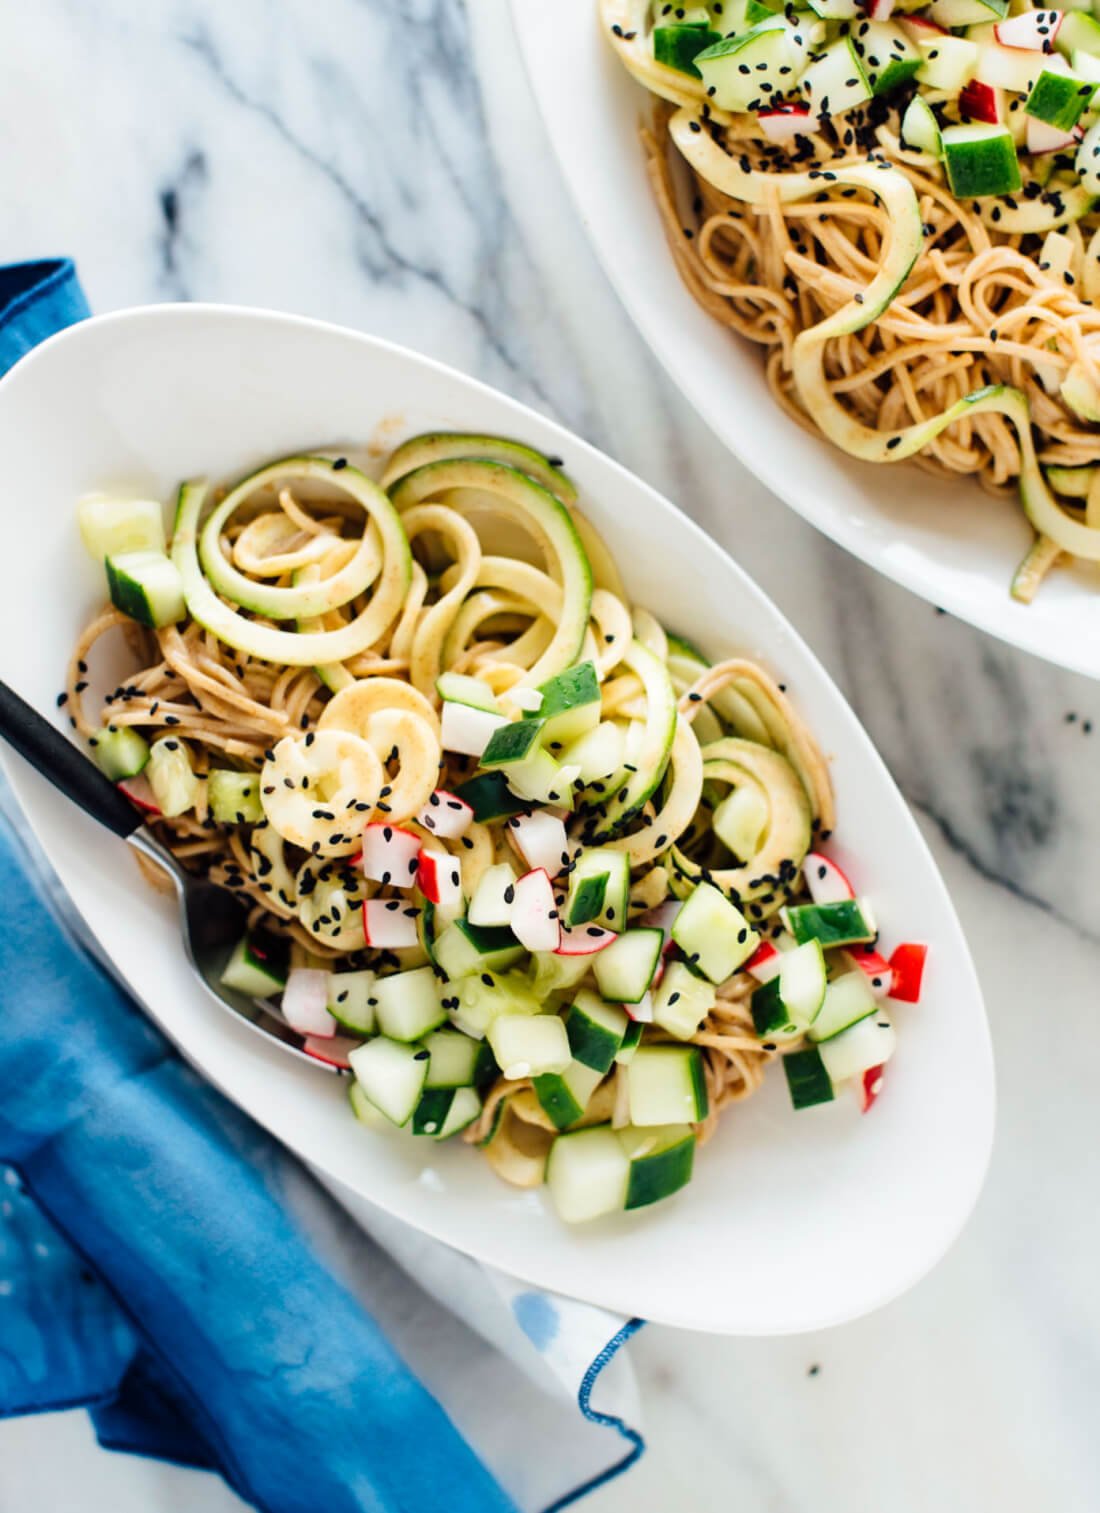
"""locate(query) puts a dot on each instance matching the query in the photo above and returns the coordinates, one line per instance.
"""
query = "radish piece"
(446, 815)
(583, 940)
(467, 730)
(390, 854)
(139, 791)
(542, 841)
(978, 102)
(1042, 137)
(439, 878)
(880, 10)
(333, 1052)
(534, 918)
(663, 917)
(786, 122)
(907, 963)
(305, 1000)
(878, 971)
(921, 28)
(642, 1011)
(764, 963)
(1033, 31)
(389, 924)
(870, 1086)
(825, 880)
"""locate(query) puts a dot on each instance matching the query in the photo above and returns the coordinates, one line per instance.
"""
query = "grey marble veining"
(379, 163)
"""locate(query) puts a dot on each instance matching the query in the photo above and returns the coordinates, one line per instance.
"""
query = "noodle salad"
(900, 202)
(519, 858)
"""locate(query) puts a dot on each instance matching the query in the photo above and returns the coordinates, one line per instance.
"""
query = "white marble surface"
(377, 163)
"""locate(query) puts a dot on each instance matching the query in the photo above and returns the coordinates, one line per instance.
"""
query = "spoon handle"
(65, 765)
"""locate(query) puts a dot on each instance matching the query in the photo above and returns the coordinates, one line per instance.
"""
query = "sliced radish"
(139, 791)
(389, 924)
(439, 878)
(978, 102)
(305, 1000)
(907, 963)
(1042, 137)
(333, 1052)
(446, 815)
(390, 854)
(825, 880)
(921, 28)
(786, 122)
(1033, 31)
(583, 940)
(542, 841)
(875, 967)
(870, 1086)
(642, 1011)
(467, 730)
(764, 963)
(663, 917)
(880, 10)
(534, 917)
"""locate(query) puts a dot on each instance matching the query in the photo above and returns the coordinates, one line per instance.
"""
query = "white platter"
(949, 542)
(794, 1220)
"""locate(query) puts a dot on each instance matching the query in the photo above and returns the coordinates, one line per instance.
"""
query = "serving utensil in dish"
(945, 539)
(793, 1221)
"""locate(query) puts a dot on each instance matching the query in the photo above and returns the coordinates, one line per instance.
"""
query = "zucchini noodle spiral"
(897, 320)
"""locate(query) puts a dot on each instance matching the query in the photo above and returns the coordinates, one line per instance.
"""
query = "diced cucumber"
(676, 46)
(443, 1111)
(848, 999)
(948, 63)
(491, 905)
(836, 81)
(458, 688)
(844, 923)
(681, 1000)
(457, 1061)
(666, 1085)
(351, 1001)
(464, 949)
(490, 798)
(952, 13)
(465, 1107)
(391, 1075)
(1058, 99)
(625, 969)
(512, 743)
(407, 1004)
(366, 1113)
(110, 527)
(595, 1030)
(713, 933)
(234, 797)
(771, 1018)
(526, 1045)
(570, 704)
(1087, 163)
(598, 754)
(889, 58)
(631, 1041)
(661, 1160)
(565, 1095)
(554, 974)
(836, 10)
(587, 1174)
(1078, 33)
(476, 1001)
(171, 777)
(807, 1079)
(740, 820)
(980, 160)
(120, 753)
(868, 1043)
(802, 981)
(252, 971)
(599, 888)
(147, 587)
(920, 129)
(541, 779)
(742, 72)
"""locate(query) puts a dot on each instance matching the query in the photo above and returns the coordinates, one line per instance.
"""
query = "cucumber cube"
(1058, 99)
(770, 1016)
(661, 1160)
(844, 923)
(919, 127)
(171, 777)
(475, 1002)
(625, 969)
(251, 971)
(366, 1113)
(836, 81)
(351, 1001)
(807, 1080)
(147, 587)
(889, 58)
(595, 1030)
(443, 1111)
(848, 999)
(109, 527)
(599, 888)
(713, 933)
(742, 72)
(676, 46)
(836, 10)
(120, 753)
(949, 62)
(491, 905)
(866, 1044)
(980, 160)
(511, 743)
(464, 949)
(631, 1041)
(526, 1045)
(457, 688)
(489, 796)
(1078, 32)
(391, 1075)
(666, 1085)
(464, 1109)
(565, 1095)
(407, 1004)
(234, 797)
(587, 1174)
(570, 703)
(682, 1001)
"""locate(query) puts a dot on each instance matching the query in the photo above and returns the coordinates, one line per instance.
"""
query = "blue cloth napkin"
(168, 1266)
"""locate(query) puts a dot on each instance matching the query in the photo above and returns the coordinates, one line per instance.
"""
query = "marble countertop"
(379, 163)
